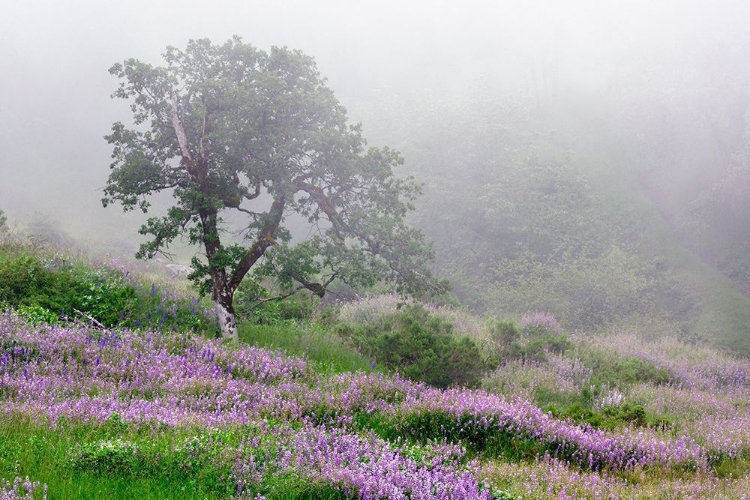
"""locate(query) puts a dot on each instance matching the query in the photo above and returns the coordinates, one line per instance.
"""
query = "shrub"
(48, 288)
(107, 456)
(630, 370)
(36, 314)
(539, 334)
(610, 417)
(421, 347)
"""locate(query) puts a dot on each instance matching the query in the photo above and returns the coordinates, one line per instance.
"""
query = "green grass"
(314, 342)
(125, 461)
(52, 456)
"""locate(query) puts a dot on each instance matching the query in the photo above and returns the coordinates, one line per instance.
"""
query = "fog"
(649, 93)
(55, 89)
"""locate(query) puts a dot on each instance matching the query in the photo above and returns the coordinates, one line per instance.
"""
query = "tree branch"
(263, 241)
(339, 226)
(279, 297)
(324, 203)
(90, 318)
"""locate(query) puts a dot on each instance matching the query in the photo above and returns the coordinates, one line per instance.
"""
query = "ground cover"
(315, 408)
(84, 406)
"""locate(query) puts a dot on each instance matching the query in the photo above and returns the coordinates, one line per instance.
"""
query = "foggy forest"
(477, 249)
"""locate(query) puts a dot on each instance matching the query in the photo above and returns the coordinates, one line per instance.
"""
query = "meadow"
(152, 405)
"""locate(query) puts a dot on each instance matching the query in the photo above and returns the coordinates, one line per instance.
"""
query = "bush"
(420, 347)
(51, 288)
(610, 417)
(531, 342)
(107, 457)
(35, 314)
(630, 370)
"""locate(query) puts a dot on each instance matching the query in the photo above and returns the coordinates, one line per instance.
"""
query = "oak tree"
(231, 128)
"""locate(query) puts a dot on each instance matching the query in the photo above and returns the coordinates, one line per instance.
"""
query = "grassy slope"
(712, 307)
(28, 448)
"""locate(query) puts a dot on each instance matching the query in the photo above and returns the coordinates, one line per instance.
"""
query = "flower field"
(253, 423)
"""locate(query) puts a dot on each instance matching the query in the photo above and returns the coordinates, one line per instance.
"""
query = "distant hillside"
(564, 208)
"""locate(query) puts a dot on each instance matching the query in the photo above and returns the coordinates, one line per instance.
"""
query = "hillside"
(565, 206)
(93, 412)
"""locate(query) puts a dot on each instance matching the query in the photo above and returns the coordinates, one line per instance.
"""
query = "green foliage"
(437, 426)
(36, 314)
(503, 495)
(504, 333)
(253, 303)
(726, 468)
(290, 486)
(610, 417)
(611, 371)
(3, 222)
(107, 457)
(44, 288)
(25, 280)
(420, 347)
(108, 301)
(508, 341)
(115, 460)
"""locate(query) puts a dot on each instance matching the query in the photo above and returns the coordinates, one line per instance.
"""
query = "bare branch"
(90, 318)
(279, 297)
(324, 203)
(252, 196)
(179, 130)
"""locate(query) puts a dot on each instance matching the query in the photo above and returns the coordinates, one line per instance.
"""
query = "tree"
(230, 128)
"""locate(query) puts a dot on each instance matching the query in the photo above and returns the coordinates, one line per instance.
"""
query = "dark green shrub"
(629, 370)
(557, 344)
(579, 413)
(420, 347)
(610, 417)
(424, 427)
(298, 307)
(504, 333)
(108, 301)
(627, 412)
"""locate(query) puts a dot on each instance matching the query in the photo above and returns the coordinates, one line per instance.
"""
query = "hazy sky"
(54, 57)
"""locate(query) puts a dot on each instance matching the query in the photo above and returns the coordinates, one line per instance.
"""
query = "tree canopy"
(231, 128)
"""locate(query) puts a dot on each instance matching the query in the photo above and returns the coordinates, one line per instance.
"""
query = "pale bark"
(227, 322)
(179, 130)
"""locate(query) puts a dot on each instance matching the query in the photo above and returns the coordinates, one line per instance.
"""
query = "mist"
(648, 101)
(55, 90)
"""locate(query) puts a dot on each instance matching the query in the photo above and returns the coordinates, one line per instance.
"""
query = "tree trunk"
(227, 319)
